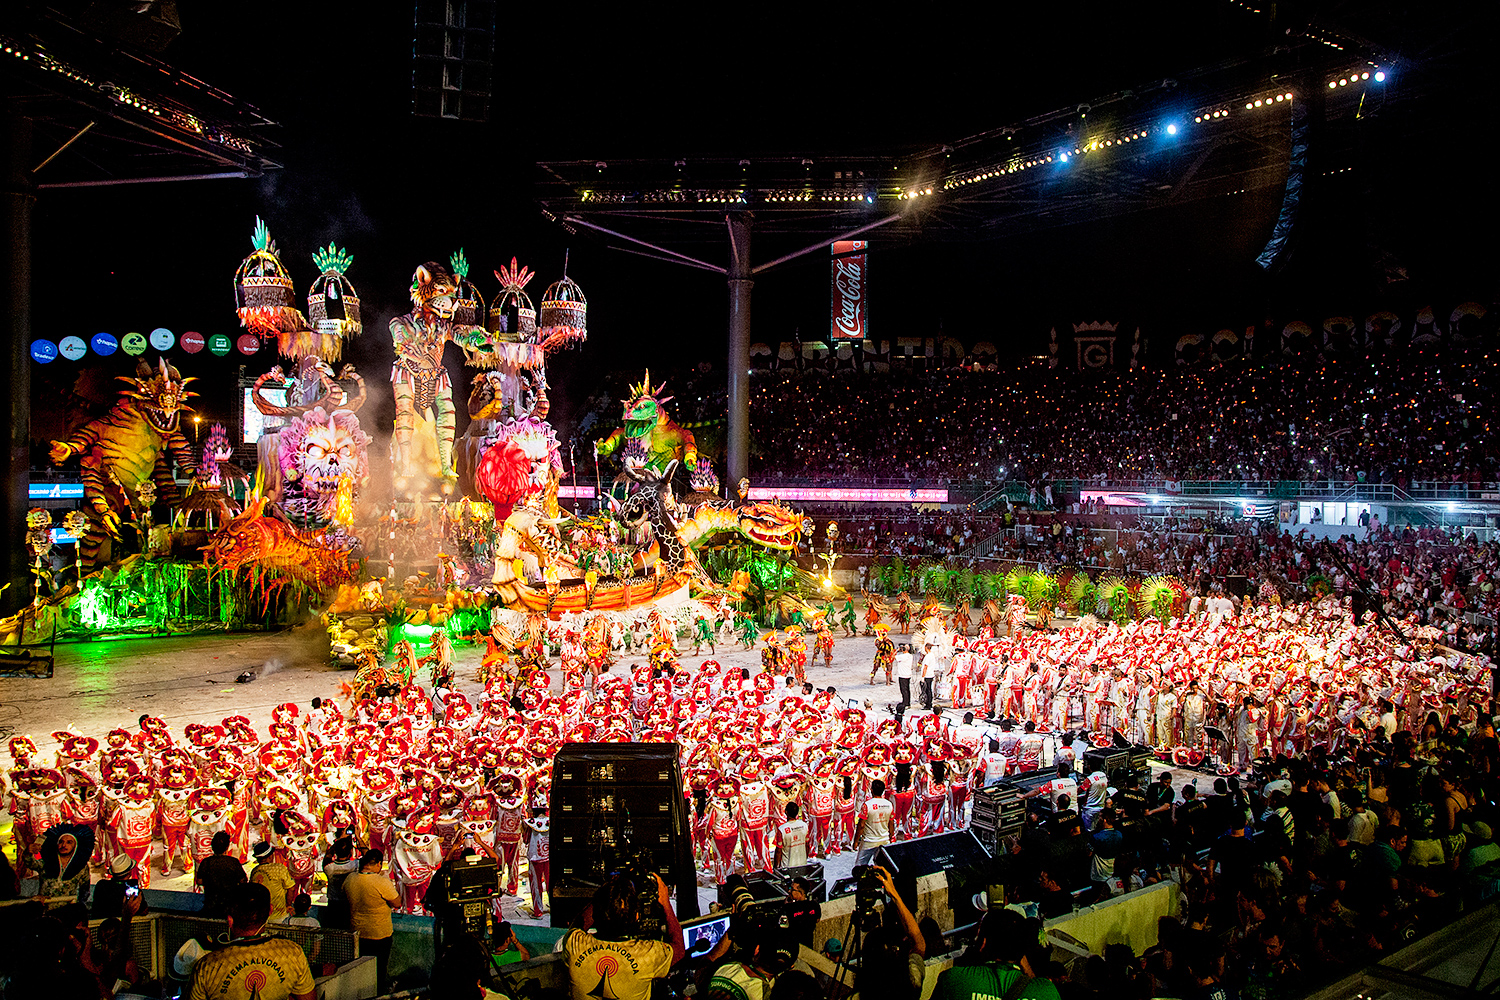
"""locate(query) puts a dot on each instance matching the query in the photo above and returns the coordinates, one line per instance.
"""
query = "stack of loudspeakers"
(614, 801)
(999, 811)
(1115, 762)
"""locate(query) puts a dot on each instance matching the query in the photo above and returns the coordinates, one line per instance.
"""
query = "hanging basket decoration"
(263, 295)
(332, 303)
(564, 315)
(512, 317)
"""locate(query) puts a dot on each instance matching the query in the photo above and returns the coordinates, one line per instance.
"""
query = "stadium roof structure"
(1205, 133)
(105, 111)
(1243, 124)
(87, 104)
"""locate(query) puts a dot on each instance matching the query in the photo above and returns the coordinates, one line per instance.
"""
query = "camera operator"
(762, 942)
(613, 960)
(891, 956)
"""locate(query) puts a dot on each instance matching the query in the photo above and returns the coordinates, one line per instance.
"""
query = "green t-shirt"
(508, 957)
(991, 982)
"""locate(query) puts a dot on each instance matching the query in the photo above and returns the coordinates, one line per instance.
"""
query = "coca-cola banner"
(849, 288)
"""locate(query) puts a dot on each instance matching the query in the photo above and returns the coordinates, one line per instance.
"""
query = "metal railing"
(156, 938)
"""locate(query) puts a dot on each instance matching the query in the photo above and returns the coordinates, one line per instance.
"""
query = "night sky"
(396, 190)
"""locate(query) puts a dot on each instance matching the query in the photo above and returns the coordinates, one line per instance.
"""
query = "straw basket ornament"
(563, 318)
(332, 304)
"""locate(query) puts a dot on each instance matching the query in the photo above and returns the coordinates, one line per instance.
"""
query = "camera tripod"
(853, 939)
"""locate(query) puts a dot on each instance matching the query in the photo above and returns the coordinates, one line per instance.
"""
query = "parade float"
(470, 543)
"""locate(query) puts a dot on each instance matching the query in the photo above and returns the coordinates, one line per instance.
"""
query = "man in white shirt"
(966, 732)
(930, 671)
(791, 840)
(874, 824)
(996, 764)
(904, 663)
(1387, 718)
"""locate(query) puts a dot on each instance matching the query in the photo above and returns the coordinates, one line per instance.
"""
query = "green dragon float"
(651, 439)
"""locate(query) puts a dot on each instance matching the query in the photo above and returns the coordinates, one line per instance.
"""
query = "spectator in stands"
(338, 864)
(1362, 822)
(271, 873)
(1107, 844)
(1271, 974)
(65, 864)
(301, 915)
(462, 972)
(1481, 850)
(112, 894)
(891, 963)
(613, 960)
(1005, 962)
(1233, 856)
(1206, 967)
(252, 964)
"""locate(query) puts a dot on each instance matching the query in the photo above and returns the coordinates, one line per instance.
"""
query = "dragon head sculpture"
(644, 408)
(772, 524)
(159, 395)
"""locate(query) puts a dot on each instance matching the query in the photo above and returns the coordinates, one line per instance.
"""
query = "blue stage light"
(1062, 158)
(1172, 129)
(1380, 76)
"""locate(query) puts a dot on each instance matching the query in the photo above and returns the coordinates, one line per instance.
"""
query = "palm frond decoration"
(1114, 599)
(984, 587)
(1156, 598)
(962, 584)
(460, 264)
(900, 576)
(1018, 580)
(1319, 585)
(1081, 594)
(260, 239)
(1041, 595)
(332, 258)
(931, 578)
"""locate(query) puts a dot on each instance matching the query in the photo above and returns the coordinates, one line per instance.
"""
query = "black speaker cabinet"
(612, 802)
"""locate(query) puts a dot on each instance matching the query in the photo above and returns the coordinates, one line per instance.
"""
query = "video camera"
(640, 870)
(869, 897)
(772, 926)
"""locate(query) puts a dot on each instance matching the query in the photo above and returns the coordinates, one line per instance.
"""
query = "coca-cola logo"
(849, 281)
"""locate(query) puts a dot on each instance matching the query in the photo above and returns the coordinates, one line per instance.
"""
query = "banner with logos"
(849, 290)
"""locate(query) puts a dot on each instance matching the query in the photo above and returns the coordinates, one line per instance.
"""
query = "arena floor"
(100, 686)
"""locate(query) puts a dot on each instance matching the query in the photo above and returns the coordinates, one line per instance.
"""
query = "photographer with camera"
(891, 957)
(615, 958)
(762, 942)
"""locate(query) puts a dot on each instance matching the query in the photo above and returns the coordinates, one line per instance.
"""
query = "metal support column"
(15, 381)
(740, 284)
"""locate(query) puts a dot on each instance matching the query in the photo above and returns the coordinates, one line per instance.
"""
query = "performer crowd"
(779, 773)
